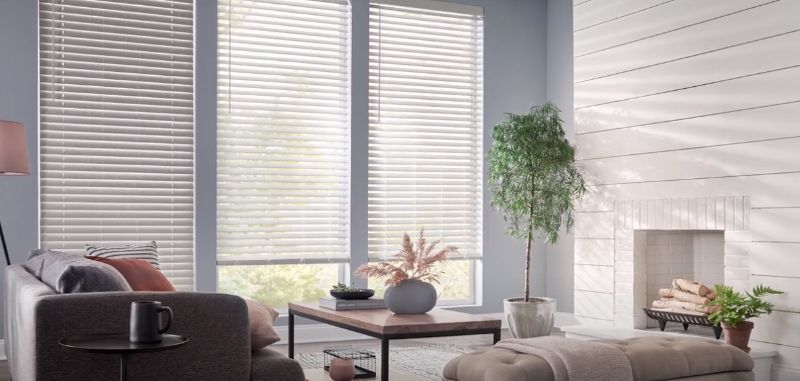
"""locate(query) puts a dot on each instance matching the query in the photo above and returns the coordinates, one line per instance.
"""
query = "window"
(283, 147)
(117, 128)
(284, 136)
(425, 130)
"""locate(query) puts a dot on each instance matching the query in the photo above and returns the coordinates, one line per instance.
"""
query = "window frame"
(359, 155)
(174, 269)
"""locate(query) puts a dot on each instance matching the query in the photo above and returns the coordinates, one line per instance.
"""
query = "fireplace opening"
(664, 255)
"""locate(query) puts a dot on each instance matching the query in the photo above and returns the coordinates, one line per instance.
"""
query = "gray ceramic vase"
(410, 297)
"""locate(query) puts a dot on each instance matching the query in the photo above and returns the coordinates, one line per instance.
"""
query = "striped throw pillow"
(147, 251)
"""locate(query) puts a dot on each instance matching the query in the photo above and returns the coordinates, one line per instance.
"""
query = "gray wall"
(18, 102)
(515, 72)
(516, 65)
(560, 261)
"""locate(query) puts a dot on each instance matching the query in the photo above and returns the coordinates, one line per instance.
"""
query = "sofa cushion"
(147, 251)
(667, 357)
(140, 274)
(262, 318)
(70, 273)
(268, 365)
(498, 364)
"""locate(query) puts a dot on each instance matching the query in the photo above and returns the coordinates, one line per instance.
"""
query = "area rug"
(426, 360)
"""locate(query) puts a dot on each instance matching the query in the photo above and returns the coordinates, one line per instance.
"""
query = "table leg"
(123, 367)
(384, 359)
(291, 335)
(496, 336)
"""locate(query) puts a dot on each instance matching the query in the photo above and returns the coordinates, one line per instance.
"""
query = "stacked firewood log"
(686, 297)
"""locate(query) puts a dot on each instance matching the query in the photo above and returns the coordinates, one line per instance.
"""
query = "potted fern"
(733, 311)
(534, 181)
(409, 276)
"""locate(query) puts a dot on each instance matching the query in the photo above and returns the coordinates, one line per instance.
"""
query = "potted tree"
(534, 182)
(732, 311)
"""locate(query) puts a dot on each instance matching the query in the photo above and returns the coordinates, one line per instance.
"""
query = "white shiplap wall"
(687, 98)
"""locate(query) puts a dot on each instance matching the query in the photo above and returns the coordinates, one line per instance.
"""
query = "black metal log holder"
(686, 319)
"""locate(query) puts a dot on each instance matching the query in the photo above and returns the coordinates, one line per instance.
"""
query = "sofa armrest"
(269, 365)
(216, 325)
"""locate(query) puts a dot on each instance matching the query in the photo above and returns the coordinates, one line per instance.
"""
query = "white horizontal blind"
(283, 137)
(117, 128)
(425, 124)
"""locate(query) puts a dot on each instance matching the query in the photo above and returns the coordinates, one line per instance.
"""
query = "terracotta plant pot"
(342, 370)
(738, 335)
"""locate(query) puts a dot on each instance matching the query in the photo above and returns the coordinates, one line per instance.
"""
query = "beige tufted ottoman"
(652, 358)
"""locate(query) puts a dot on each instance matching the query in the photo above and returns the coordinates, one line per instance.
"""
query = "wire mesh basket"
(363, 360)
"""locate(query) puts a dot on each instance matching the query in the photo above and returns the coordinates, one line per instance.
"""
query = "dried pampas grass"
(413, 262)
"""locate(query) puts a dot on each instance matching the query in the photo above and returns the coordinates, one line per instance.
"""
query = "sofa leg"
(662, 324)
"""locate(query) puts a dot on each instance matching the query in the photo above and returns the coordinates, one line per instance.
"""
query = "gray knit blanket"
(575, 360)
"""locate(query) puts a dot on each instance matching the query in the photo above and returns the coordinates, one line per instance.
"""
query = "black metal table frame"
(384, 338)
(662, 317)
(125, 355)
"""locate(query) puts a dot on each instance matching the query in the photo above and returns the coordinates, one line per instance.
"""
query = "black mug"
(146, 322)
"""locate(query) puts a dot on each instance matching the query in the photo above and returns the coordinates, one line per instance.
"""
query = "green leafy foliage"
(277, 285)
(341, 287)
(533, 176)
(532, 173)
(733, 307)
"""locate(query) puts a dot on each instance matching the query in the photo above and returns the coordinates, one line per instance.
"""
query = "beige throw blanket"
(575, 360)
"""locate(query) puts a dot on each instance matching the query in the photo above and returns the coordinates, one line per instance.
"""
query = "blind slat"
(425, 124)
(117, 127)
(283, 135)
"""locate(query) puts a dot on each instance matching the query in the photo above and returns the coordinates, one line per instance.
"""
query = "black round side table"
(120, 345)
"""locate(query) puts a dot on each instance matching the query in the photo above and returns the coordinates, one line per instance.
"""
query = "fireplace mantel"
(607, 288)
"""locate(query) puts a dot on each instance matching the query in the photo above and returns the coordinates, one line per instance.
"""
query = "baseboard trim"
(563, 319)
(317, 333)
(785, 373)
(323, 333)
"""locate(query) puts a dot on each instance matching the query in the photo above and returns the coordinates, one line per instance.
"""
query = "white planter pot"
(531, 319)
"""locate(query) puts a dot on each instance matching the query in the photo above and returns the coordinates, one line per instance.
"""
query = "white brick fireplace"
(669, 254)
(647, 241)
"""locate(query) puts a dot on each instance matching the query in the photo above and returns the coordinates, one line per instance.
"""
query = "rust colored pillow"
(140, 274)
(262, 318)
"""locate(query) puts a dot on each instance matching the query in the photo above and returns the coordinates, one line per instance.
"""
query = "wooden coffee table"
(385, 325)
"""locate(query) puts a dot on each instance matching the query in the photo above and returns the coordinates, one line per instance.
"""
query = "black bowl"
(363, 293)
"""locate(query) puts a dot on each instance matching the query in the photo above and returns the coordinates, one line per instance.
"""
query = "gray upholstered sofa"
(216, 325)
